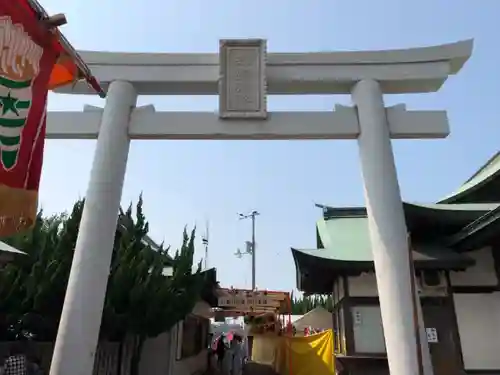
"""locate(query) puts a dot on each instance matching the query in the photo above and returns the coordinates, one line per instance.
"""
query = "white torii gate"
(242, 74)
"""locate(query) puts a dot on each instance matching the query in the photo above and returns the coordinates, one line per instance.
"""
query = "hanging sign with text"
(243, 300)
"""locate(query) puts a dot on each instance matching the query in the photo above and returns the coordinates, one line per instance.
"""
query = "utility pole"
(205, 243)
(250, 249)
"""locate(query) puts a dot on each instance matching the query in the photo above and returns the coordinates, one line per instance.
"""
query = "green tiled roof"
(347, 251)
(487, 173)
(424, 221)
(343, 239)
(348, 240)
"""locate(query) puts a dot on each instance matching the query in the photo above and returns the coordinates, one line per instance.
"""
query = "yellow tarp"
(264, 349)
(296, 355)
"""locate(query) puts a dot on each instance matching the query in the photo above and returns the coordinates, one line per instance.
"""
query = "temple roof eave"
(479, 233)
(317, 272)
(470, 210)
(446, 260)
(445, 218)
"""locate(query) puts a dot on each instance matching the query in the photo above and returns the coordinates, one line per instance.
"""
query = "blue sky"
(189, 182)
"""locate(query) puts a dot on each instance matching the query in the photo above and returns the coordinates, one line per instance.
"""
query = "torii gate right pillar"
(388, 232)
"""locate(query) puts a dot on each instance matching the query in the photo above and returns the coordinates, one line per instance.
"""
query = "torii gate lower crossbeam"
(243, 115)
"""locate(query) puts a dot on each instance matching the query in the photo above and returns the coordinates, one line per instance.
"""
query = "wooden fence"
(106, 358)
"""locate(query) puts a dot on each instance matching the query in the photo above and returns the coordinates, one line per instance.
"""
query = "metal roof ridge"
(469, 185)
(476, 225)
(483, 167)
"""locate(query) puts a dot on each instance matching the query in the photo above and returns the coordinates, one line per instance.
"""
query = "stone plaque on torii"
(243, 74)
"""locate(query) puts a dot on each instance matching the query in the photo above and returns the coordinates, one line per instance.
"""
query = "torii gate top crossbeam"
(397, 71)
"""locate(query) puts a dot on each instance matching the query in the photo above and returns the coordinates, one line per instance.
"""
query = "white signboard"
(432, 335)
(242, 84)
(242, 301)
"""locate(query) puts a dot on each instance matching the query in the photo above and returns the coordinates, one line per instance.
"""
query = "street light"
(250, 246)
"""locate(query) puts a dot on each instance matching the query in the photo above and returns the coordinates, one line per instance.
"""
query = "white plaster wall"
(159, 354)
(364, 285)
(188, 366)
(192, 365)
(156, 355)
(368, 330)
(478, 318)
(481, 274)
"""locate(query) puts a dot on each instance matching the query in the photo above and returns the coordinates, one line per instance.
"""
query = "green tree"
(141, 301)
(302, 305)
(32, 288)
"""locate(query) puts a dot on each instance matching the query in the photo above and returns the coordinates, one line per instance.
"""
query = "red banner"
(27, 58)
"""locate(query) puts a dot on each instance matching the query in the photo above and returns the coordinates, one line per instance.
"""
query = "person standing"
(220, 351)
(238, 355)
(306, 331)
(227, 362)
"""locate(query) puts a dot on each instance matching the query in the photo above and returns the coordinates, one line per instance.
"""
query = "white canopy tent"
(318, 317)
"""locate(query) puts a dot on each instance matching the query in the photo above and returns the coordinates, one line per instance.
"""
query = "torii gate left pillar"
(246, 76)
(78, 332)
